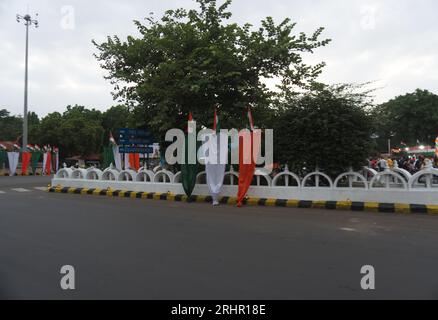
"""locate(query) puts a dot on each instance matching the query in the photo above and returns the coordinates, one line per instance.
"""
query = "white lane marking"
(348, 229)
(20, 190)
(2, 192)
(41, 188)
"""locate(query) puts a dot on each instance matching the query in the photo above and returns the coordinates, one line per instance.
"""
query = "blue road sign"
(134, 133)
(135, 141)
(134, 137)
(141, 150)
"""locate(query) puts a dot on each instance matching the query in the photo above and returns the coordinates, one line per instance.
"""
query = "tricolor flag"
(251, 121)
(56, 151)
(436, 147)
(189, 129)
(116, 156)
(111, 139)
(189, 171)
(216, 126)
(215, 164)
(246, 171)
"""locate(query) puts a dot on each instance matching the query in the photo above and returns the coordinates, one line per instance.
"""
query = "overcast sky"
(393, 42)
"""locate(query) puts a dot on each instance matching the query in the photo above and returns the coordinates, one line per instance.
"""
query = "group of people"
(411, 164)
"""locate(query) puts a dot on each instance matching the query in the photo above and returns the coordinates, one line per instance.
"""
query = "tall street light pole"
(28, 21)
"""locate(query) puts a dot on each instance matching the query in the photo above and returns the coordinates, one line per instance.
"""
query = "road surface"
(140, 249)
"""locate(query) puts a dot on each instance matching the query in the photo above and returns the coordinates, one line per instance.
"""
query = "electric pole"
(28, 21)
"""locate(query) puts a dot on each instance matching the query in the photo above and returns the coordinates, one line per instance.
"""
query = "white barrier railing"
(390, 186)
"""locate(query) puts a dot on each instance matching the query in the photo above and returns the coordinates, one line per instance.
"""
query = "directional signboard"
(134, 132)
(141, 150)
(134, 137)
(135, 141)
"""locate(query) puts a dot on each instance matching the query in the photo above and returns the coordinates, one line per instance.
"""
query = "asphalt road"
(139, 249)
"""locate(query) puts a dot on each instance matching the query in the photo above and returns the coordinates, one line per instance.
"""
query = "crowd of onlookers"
(412, 164)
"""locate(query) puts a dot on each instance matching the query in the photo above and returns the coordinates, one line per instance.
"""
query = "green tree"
(190, 60)
(33, 123)
(328, 128)
(78, 131)
(115, 118)
(10, 126)
(409, 118)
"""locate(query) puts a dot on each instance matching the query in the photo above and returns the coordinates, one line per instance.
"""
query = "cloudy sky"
(392, 42)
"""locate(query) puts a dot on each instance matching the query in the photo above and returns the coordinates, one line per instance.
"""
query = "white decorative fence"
(391, 186)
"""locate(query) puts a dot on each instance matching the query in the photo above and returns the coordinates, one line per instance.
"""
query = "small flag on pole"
(189, 129)
(251, 121)
(436, 147)
(111, 139)
(216, 126)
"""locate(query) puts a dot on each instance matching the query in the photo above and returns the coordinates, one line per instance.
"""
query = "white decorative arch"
(287, 175)
(429, 173)
(350, 175)
(127, 175)
(388, 180)
(64, 173)
(163, 176)
(404, 173)
(156, 169)
(94, 174)
(368, 173)
(260, 173)
(177, 177)
(144, 176)
(79, 174)
(317, 174)
(234, 177)
(110, 175)
(200, 175)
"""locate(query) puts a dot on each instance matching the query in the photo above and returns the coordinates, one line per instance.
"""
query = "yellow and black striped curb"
(330, 205)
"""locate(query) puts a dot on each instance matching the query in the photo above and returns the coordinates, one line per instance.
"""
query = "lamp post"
(28, 21)
(391, 135)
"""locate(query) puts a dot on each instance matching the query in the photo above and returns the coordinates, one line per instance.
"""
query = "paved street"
(124, 248)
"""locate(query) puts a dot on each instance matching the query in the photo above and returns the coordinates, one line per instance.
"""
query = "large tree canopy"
(409, 118)
(11, 126)
(190, 60)
(327, 129)
(78, 130)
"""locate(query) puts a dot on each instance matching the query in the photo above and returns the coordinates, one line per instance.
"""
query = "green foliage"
(10, 126)
(117, 117)
(407, 118)
(78, 131)
(191, 60)
(328, 128)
